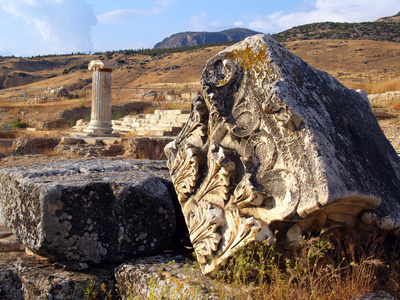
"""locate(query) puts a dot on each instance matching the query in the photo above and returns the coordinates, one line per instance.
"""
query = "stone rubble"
(51, 95)
(160, 123)
(25, 277)
(385, 99)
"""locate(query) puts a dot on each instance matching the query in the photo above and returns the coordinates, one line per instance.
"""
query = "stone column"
(100, 120)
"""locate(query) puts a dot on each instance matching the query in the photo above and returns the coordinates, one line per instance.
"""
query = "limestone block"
(90, 210)
(23, 146)
(122, 129)
(136, 124)
(129, 119)
(162, 125)
(170, 117)
(182, 118)
(276, 145)
(25, 277)
(176, 111)
(384, 99)
(168, 277)
(178, 124)
(159, 112)
(152, 117)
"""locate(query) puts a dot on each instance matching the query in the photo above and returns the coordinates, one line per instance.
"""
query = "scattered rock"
(11, 244)
(25, 277)
(89, 211)
(75, 113)
(146, 147)
(376, 296)
(385, 99)
(136, 107)
(52, 95)
(24, 146)
(59, 123)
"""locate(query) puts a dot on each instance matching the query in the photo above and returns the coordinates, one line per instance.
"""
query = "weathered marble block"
(90, 210)
(274, 145)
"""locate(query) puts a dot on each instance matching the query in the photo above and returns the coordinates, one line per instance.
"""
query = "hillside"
(395, 18)
(357, 64)
(384, 29)
(342, 49)
(184, 39)
(351, 62)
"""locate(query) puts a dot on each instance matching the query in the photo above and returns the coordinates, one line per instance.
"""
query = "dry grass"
(6, 149)
(351, 62)
(372, 66)
(341, 264)
(378, 87)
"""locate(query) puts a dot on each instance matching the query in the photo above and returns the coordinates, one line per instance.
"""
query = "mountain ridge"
(194, 38)
(383, 29)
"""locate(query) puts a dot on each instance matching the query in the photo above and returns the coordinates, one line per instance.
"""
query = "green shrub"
(18, 124)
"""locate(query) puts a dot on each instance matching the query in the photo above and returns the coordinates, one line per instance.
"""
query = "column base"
(99, 129)
(94, 134)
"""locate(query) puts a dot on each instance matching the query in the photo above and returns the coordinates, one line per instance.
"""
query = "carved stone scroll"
(275, 145)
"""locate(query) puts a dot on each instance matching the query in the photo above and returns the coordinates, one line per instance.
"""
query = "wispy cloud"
(62, 25)
(129, 15)
(325, 10)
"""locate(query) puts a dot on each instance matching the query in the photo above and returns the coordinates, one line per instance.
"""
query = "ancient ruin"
(100, 119)
(276, 146)
(51, 95)
(89, 211)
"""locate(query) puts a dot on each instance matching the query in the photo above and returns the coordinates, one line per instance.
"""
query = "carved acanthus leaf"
(239, 229)
(245, 195)
(216, 185)
(196, 127)
(184, 171)
(203, 223)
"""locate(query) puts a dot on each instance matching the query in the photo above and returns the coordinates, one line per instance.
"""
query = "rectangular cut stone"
(274, 144)
(169, 118)
(182, 118)
(152, 117)
(90, 210)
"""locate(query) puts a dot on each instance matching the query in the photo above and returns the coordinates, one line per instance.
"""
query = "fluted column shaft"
(100, 119)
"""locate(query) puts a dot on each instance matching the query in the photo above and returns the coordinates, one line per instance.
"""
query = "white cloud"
(326, 10)
(238, 24)
(129, 15)
(62, 25)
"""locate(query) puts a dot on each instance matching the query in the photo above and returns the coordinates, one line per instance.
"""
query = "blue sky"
(32, 27)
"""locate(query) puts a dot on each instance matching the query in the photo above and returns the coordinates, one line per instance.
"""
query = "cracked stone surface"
(89, 210)
(274, 145)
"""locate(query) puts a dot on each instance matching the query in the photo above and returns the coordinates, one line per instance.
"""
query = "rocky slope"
(184, 39)
(383, 29)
